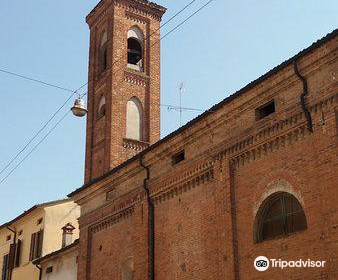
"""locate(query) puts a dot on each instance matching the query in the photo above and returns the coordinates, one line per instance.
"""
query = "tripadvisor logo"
(262, 263)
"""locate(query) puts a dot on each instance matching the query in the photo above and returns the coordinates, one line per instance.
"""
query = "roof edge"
(34, 207)
(211, 110)
(52, 254)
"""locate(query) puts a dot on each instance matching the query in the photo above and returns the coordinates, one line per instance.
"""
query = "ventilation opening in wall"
(265, 110)
(49, 269)
(177, 158)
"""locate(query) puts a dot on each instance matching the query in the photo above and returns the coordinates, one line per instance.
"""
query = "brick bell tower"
(123, 82)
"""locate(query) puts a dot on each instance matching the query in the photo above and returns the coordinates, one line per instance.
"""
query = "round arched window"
(135, 50)
(280, 214)
(134, 119)
(103, 53)
(101, 110)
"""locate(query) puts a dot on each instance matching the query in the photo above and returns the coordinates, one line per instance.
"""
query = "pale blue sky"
(219, 51)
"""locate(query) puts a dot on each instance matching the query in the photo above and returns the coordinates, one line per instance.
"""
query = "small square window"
(8, 237)
(49, 269)
(20, 232)
(265, 110)
(177, 158)
(39, 222)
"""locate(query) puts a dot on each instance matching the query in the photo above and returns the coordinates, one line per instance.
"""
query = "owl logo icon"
(261, 263)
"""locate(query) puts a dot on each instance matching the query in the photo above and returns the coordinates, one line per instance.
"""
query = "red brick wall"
(105, 137)
(185, 235)
(205, 206)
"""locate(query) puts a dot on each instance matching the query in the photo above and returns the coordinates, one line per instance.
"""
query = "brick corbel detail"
(281, 134)
(111, 220)
(136, 78)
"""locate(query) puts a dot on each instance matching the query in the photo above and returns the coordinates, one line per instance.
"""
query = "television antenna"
(181, 90)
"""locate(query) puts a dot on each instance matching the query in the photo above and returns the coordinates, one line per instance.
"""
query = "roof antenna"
(181, 90)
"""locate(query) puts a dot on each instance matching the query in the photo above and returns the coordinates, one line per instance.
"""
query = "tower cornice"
(142, 7)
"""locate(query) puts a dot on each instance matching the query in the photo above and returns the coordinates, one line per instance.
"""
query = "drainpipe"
(151, 224)
(14, 241)
(303, 96)
(233, 213)
(40, 271)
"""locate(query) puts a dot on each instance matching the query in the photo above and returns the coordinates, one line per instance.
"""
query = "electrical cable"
(34, 148)
(81, 96)
(36, 80)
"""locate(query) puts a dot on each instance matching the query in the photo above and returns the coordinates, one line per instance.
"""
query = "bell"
(79, 109)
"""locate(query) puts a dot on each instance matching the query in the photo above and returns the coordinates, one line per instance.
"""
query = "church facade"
(256, 175)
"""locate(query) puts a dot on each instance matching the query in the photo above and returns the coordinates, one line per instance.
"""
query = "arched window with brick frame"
(134, 119)
(103, 52)
(101, 108)
(135, 40)
(280, 214)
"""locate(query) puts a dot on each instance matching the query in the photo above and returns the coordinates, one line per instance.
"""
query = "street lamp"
(79, 108)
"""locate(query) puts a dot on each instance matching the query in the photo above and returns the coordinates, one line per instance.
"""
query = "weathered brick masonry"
(205, 207)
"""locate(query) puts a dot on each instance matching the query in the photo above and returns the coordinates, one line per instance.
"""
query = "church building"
(256, 175)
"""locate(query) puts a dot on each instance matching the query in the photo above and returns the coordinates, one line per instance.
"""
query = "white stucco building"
(61, 264)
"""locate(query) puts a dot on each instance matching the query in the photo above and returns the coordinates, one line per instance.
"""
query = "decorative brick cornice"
(135, 144)
(141, 7)
(136, 79)
(280, 134)
(182, 187)
(269, 146)
(112, 220)
(145, 8)
(181, 180)
(137, 18)
(101, 9)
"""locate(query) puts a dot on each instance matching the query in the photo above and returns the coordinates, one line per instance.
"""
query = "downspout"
(233, 214)
(40, 271)
(14, 241)
(151, 224)
(303, 96)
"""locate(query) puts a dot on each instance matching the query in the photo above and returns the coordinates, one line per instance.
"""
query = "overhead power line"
(69, 90)
(155, 31)
(35, 80)
(40, 130)
(35, 147)
(35, 135)
(81, 96)
(184, 21)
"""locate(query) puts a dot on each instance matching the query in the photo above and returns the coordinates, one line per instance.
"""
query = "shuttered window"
(281, 214)
(36, 245)
(18, 253)
(5, 274)
(11, 256)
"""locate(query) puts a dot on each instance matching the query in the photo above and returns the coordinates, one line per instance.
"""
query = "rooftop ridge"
(217, 106)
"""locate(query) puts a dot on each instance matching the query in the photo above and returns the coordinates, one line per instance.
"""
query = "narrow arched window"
(103, 53)
(135, 51)
(101, 108)
(280, 214)
(127, 270)
(134, 119)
